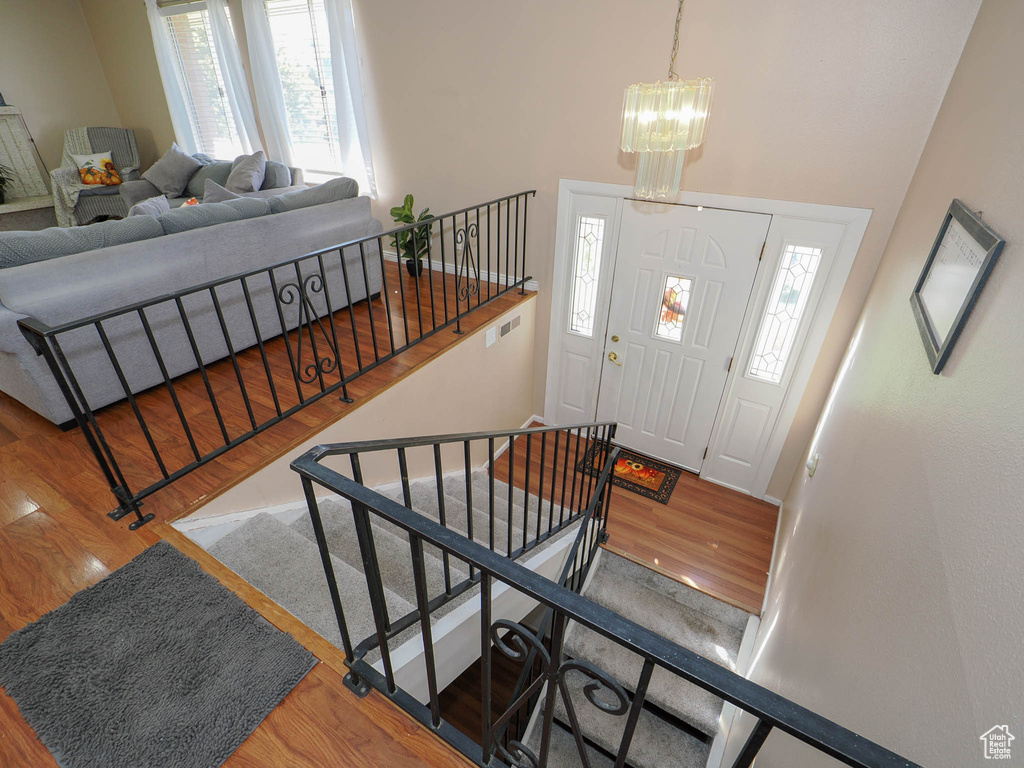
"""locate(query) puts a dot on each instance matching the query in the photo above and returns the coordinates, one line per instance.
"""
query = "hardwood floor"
(56, 539)
(712, 538)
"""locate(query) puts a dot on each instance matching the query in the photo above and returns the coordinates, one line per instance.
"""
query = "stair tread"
(656, 743)
(562, 749)
(393, 550)
(693, 628)
(729, 615)
(287, 568)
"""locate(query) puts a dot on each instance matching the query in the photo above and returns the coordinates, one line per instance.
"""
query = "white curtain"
(170, 75)
(267, 82)
(348, 95)
(233, 75)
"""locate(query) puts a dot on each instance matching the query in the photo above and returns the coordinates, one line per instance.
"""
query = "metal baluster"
(371, 569)
(608, 485)
(753, 744)
(287, 337)
(468, 469)
(515, 252)
(554, 480)
(441, 515)
(259, 341)
(479, 298)
(325, 557)
(634, 712)
(416, 283)
(565, 478)
(485, 666)
(131, 398)
(369, 302)
(540, 480)
(490, 277)
(511, 491)
(94, 435)
(401, 290)
(490, 480)
(430, 278)
(526, 493)
(558, 633)
(575, 474)
(508, 212)
(306, 307)
(386, 294)
(330, 315)
(444, 272)
(526, 200)
(231, 353)
(423, 606)
(202, 368)
(170, 384)
(403, 468)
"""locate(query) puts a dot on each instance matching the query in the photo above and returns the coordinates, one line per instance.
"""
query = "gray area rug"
(155, 665)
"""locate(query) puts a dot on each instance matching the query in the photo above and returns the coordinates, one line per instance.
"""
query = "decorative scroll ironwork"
(309, 320)
(521, 645)
(465, 285)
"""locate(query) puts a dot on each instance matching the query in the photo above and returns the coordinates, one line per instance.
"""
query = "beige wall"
(49, 69)
(823, 101)
(895, 605)
(129, 65)
(470, 388)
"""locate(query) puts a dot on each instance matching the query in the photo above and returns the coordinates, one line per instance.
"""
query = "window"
(675, 300)
(585, 271)
(303, 49)
(206, 100)
(786, 304)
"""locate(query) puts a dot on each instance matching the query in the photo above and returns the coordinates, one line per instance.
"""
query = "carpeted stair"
(679, 719)
(283, 561)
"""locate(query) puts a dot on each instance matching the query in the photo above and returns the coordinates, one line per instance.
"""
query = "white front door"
(682, 280)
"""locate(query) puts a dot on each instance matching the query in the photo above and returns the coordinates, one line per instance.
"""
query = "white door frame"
(855, 221)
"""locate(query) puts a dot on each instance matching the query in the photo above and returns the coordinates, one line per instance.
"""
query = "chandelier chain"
(675, 45)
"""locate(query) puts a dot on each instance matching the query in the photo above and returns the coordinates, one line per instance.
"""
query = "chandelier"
(660, 121)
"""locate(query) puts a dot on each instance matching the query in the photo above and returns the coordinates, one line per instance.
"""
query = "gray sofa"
(161, 255)
(279, 178)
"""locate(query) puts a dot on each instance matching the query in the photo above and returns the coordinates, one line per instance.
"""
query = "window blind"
(202, 84)
(303, 50)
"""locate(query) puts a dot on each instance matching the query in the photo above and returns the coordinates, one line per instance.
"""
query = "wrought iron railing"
(541, 649)
(206, 368)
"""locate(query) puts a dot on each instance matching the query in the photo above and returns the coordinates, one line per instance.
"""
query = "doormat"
(637, 473)
(157, 664)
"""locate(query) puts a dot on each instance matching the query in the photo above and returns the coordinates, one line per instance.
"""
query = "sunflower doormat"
(637, 473)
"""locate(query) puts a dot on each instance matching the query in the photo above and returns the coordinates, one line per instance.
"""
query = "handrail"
(48, 330)
(772, 710)
(303, 306)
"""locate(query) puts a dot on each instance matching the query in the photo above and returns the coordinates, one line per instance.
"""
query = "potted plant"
(409, 247)
(6, 177)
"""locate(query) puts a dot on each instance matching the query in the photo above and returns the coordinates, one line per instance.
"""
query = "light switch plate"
(492, 335)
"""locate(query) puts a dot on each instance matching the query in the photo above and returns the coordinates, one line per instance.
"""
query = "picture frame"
(958, 265)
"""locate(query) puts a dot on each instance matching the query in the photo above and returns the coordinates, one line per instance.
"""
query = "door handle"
(614, 358)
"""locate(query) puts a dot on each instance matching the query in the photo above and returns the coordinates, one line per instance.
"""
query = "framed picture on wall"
(958, 265)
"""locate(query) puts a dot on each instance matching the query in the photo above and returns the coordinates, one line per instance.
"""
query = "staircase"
(679, 720)
(283, 561)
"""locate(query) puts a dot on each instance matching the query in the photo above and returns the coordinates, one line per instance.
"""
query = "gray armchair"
(279, 178)
(76, 203)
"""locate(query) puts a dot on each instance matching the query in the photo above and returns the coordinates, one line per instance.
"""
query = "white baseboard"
(772, 563)
(772, 500)
(492, 277)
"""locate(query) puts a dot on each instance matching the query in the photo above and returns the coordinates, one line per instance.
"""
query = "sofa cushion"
(341, 188)
(215, 193)
(17, 248)
(278, 175)
(100, 190)
(247, 172)
(218, 171)
(170, 174)
(154, 206)
(189, 217)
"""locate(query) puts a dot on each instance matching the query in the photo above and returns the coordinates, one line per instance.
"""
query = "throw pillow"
(154, 206)
(97, 169)
(170, 174)
(340, 188)
(215, 193)
(247, 172)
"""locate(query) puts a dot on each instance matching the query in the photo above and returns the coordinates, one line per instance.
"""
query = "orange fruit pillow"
(97, 169)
